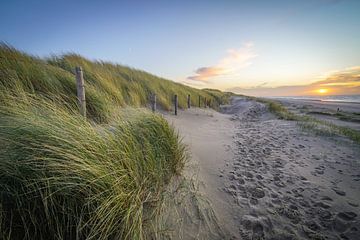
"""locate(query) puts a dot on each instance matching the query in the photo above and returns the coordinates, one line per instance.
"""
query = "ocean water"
(329, 98)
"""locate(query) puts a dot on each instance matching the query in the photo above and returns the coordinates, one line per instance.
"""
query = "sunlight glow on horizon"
(254, 47)
(322, 91)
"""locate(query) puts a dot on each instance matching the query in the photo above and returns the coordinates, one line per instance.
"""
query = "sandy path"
(209, 136)
(268, 179)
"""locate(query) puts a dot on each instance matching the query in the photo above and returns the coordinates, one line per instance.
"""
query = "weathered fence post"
(80, 90)
(188, 101)
(153, 103)
(176, 103)
(205, 102)
(199, 101)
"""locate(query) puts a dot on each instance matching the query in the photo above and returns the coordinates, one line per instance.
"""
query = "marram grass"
(66, 177)
(62, 177)
(106, 84)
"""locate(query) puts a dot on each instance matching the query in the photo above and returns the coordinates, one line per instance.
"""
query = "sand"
(209, 137)
(316, 108)
(268, 179)
(317, 104)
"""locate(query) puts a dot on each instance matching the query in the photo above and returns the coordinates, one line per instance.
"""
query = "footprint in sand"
(312, 225)
(322, 205)
(252, 228)
(324, 215)
(340, 225)
(353, 204)
(241, 181)
(347, 216)
(291, 212)
(326, 198)
(257, 192)
(339, 192)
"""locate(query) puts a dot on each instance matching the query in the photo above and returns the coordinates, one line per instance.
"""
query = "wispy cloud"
(235, 60)
(346, 81)
(349, 76)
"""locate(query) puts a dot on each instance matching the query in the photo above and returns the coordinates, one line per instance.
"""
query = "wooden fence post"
(188, 101)
(153, 103)
(205, 102)
(80, 90)
(176, 103)
(199, 101)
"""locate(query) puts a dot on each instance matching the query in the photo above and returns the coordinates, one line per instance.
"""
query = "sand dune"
(268, 179)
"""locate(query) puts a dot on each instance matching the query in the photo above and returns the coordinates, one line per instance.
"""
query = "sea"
(328, 98)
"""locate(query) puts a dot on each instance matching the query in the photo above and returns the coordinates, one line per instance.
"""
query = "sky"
(269, 48)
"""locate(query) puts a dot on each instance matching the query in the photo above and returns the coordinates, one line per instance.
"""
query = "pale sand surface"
(329, 105)
(314, 107)
(268, 179)
(209, 137)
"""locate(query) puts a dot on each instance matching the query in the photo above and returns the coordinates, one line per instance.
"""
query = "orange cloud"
(204, 73)
(235, 60)
(347, 77)
(338, 83)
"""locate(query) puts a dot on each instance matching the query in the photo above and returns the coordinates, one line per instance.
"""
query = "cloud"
(204, 73)
(194, 83)
(349, 76)
(235, 60)
(339, 82)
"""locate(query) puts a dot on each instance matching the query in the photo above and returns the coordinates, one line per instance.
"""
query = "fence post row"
(188, 101)
(153, 102)
(80, 86)
(176, 103)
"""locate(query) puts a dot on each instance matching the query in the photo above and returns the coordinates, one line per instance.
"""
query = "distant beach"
(339, 110)
(327, 98)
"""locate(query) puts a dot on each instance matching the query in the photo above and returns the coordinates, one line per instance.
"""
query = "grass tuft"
(278, 109)
(65, 177)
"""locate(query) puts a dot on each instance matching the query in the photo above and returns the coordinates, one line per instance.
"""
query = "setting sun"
(322, 90)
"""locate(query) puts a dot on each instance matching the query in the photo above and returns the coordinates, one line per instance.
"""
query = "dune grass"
(278, 109)
(321, 127)
(108, 85)
(66, 177)
(308, 123)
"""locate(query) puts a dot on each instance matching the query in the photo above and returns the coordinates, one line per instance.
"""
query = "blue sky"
(219, 44)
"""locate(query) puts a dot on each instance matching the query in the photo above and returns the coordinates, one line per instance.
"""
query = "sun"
(322, 90)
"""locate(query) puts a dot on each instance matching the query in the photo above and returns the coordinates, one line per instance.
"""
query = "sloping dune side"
(108, 86)
(66, 177)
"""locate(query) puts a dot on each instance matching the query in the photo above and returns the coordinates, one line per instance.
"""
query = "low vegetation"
(278, 109)
(66, 177)
(310, 123)
(322, 127)
(344, 116)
